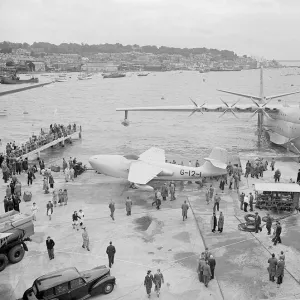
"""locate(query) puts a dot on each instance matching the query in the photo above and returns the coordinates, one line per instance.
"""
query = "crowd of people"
(11, 161)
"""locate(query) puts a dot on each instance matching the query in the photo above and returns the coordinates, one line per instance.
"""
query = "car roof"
(55, 278)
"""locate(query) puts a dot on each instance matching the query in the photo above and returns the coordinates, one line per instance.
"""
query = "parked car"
(68, 284)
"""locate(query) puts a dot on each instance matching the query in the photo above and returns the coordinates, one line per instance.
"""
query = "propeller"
(197, 107)
(229, 108)
(260, 108)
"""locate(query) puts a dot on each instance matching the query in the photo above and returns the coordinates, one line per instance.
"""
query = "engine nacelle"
(143, 187)
(165, 173)
(125, 123)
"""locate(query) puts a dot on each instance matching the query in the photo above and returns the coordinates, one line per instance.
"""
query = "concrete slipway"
(150, 239)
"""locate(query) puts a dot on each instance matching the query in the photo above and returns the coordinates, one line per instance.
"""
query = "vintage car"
(70, 284)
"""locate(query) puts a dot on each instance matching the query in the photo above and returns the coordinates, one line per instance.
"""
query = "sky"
(261, 28)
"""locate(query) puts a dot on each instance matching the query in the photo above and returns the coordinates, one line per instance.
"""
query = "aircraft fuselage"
(118, 166)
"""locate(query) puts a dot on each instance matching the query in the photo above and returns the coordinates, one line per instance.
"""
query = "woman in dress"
(54, 197)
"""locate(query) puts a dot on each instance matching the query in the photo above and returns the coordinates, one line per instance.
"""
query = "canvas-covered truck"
(15, 229)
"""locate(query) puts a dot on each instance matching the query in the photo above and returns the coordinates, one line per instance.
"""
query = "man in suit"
(110, 251)
(212, 265)
(50, 247)
(206, 273)
(201, 264)
(269, 223)
(257, 222)
(277, 234)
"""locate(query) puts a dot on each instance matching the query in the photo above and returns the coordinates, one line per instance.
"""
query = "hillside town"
(26, 58)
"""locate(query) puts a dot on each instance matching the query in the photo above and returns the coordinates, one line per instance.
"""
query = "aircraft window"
(131, 156)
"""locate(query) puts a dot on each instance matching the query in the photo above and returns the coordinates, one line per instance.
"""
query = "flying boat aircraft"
(152, 165)
(282, 123)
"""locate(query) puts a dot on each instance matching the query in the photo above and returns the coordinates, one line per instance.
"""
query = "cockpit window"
(131, 156)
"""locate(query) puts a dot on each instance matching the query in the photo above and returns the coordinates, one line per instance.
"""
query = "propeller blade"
(224, 102)
(266, 103)
(255, 102)
(234, 114)
(235, 103)
(203, 104)
(194, 102)
(266, 114)
(192, 113)
(223, 113)
(253, 115)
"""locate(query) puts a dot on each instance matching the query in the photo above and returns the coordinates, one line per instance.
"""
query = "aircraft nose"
(101, 163)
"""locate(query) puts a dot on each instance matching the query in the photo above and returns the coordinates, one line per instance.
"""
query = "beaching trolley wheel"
(3, 262)
(250, 219)
(16, 254)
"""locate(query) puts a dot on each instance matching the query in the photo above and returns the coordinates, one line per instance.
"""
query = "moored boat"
(9, 80)
(143, 74)
(114, 75)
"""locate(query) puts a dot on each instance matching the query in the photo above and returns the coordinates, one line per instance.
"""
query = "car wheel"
(108, 288)
(16, 254)
(3, 262)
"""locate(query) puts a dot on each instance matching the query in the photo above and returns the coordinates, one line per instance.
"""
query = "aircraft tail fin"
(218, 157)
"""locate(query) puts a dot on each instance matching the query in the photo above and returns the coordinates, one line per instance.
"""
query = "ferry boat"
(223, 69)
(114, 75)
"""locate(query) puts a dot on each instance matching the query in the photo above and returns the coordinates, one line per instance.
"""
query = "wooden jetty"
(60, 140)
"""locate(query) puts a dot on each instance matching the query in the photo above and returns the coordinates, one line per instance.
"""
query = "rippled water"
(92, 103)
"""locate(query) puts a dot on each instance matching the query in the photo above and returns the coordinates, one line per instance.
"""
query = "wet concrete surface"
(151, 239)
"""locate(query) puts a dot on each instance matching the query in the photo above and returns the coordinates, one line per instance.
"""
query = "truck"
(15, 229)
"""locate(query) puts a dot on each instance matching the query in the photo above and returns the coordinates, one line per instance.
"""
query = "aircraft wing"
(282, 95)
(153, 155)
(187, 108)
(24, 88)
(141, 172)
(239, 94)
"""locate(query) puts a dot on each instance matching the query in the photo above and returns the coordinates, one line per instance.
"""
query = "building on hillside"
(37, 50)
(60, 66)
(91, 66)
(39, 66)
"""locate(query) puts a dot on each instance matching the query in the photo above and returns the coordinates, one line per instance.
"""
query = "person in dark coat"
(10, 204)
(212, 265)
(12, 187)
(298, 176)
(29, 178)
(50, 247)
(16, 201)
(251, 199)
(257, 222)
(277, 238)
(213, 223)
(51, 181)
(269, 224)
(5, 202)
(25, 164)
(184, 208)
(110, 251)
(280, 271)
(272, 267)
(222, 185)
(148, 283)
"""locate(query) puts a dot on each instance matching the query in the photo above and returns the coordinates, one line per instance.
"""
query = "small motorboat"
(9, 80)
(61, 79)
(143, 74)
(114, 75)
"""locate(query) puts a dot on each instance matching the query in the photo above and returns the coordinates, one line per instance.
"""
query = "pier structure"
(60, 140)
(45, 140)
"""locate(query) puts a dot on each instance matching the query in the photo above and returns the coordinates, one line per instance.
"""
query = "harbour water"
(92, 104)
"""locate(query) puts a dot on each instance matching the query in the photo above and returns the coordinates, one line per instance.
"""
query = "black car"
(70, 284)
